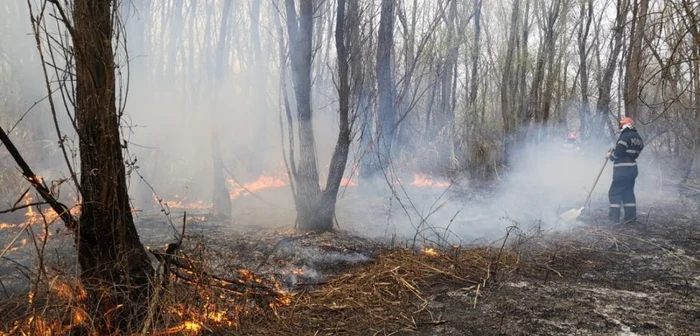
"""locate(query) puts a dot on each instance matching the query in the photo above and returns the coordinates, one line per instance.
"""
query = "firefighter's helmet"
(625, 122)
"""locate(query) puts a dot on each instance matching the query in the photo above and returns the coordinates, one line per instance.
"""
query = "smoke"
(183, 88)
(541, 183)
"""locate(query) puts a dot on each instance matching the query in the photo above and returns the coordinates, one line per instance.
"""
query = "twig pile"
(389, 295)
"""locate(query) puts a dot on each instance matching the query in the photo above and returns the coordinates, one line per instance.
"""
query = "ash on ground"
(293, 258)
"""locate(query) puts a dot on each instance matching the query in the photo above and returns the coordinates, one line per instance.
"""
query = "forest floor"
(640, 280)
(594, 279)
(590, 279)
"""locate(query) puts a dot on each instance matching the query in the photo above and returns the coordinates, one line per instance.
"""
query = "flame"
(431, 252)
(422, 180)
(7, 226)
(30, 212)
(192, 326)
(187, 326)
(348, 182)
(182, 203)
(75, 296)
(263, 182)
(35, 217)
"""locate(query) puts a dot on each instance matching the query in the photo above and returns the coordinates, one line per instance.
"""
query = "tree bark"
(509, 113)
(308, 192)
(605, 88)
(115, 268)
(342, 147)
(221, 199)
(585, 18)
(385, 84)
(316, 207)
(634, 60)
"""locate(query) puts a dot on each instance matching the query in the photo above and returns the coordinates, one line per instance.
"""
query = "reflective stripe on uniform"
(614, 205)
(629, 205)
(625, 164)
(632, 151)
(622, 143)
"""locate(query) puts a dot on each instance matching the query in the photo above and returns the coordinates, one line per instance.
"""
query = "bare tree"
(315, 207)
(221, 200)
(605, 87)
(509, 83)
(115, 269)
(633, 71)
(385, 126)
(585, 19)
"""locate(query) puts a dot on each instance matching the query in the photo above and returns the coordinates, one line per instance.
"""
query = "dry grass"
(387, 296)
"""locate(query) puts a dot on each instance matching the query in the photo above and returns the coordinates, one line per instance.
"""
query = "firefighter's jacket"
(629, 146)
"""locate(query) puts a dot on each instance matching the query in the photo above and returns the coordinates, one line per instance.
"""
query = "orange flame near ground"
(188, 326)
(281, 180)
(431, 252)
(263, 182)
(348, 182)
(422, 180)
(46, 215)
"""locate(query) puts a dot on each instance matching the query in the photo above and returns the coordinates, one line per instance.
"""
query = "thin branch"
(36, 182)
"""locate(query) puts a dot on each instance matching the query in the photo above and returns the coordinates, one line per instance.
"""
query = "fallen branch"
(184, 269)
(57, 206)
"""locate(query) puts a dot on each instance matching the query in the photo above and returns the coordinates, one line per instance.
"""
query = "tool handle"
(590, 193)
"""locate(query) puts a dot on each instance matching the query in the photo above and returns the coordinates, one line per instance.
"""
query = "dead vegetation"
(386, 296)
(590, 279)
(214, 289)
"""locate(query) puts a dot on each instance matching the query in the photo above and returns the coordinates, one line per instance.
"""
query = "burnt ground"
(602, 280)
(591, 279)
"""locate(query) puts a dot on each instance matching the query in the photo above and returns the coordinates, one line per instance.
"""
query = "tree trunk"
(508, 82)
(551, 51)
(520, 89)
(221, 199)
(115, 268)
(539, 101)
(605, 88)
(634, 60)
(342, 147)
(585, 18)
(316, 207)
(259, 77)
(385, 84)
(476, 160)
(308, 191)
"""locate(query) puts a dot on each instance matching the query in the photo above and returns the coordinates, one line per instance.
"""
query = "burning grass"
(192, 305)
(389, 294)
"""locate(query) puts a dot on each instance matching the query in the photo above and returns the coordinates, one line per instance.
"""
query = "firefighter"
(571, 146)
(624, 157)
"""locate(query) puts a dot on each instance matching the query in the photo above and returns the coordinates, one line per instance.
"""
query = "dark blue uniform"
(625, 172)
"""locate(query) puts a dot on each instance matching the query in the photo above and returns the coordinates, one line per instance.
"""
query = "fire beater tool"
(574, 213)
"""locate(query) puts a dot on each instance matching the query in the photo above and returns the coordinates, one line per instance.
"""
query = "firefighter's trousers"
(621, 192)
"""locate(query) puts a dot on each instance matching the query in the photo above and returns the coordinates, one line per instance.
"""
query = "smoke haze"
(172, 110)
